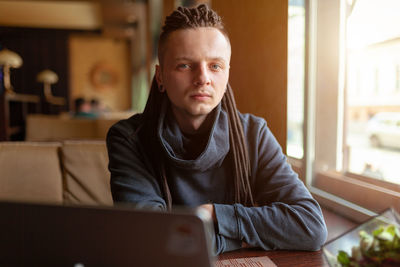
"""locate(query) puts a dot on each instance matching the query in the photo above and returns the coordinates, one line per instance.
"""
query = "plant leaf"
(343, 258)
(378, 231)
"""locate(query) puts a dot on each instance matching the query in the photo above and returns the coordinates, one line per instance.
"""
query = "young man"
(192, 147)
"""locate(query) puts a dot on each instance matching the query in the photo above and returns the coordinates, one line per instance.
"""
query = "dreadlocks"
(191, 18)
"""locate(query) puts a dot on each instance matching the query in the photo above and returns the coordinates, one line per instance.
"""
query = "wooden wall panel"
(258, 33)
(108, 57)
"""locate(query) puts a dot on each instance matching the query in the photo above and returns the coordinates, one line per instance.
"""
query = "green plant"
(382, 248)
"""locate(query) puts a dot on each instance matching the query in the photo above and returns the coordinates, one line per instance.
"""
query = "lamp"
(9, 59)
(49, 77)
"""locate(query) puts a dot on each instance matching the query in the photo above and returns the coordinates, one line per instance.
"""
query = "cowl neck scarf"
(173, 141)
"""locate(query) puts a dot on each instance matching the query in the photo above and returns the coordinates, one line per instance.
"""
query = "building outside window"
(373, 133)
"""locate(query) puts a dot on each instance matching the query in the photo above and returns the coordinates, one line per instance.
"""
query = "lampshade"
(10, 59)
(47, 76)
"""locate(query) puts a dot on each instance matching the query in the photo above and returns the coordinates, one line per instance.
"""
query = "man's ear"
(158, 75)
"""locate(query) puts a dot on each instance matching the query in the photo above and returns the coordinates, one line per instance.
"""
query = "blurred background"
(324, 74)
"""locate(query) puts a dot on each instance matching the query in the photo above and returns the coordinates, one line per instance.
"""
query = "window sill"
(352, 196)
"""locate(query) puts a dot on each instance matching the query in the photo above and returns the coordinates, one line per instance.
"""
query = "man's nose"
(202, 75)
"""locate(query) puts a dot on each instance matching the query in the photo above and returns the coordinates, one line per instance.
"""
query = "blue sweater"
(286, 215)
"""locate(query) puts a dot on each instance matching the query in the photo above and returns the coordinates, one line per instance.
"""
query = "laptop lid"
(53, 235)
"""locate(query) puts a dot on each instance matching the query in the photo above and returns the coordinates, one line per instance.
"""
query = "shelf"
(22, 98)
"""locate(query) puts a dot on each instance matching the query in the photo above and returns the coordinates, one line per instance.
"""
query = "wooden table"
(282, 258)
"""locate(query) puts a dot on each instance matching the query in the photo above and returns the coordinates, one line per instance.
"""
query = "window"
(351, 147)
(372, 139)
(296, 74)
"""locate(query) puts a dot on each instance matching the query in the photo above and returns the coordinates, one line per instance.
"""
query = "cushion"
(30, 172)
(85, 171)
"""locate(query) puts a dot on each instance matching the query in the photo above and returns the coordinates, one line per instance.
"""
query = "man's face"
(194, 70)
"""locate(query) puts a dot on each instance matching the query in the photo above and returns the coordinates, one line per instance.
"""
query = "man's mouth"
(200, 96)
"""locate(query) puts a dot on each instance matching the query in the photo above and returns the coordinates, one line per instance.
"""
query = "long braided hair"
(190, 18)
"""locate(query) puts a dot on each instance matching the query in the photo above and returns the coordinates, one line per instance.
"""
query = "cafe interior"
(292, 64)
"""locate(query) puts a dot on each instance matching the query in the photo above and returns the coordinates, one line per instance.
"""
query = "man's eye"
(183, 66)
(216, 66)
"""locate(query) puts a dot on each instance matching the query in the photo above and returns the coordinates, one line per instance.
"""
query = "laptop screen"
(39, 234)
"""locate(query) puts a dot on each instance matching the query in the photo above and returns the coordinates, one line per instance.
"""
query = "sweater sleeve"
(286, 216)
(131, 181)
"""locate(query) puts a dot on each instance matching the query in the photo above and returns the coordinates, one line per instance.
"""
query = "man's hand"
(210, 209)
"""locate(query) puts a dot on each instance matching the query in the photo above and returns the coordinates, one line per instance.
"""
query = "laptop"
(55, 235)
